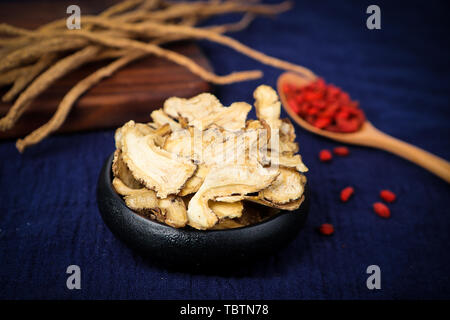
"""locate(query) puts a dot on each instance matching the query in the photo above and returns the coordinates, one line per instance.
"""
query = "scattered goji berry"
(381, 209)
(341, 151)
(325, 155)
(326, 229)
(346, 193)
(387, 196)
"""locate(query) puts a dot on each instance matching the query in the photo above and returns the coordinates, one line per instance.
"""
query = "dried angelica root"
(229, 27)
(180, 10)
(26, 77)
(149, 5)
(163, 29)
(69, 99)
(236, 45)
(246, 20)
(58, 70)
(11, 43)
(32, 60)
(121, 7)
(11, 75)
(37, 49)
(210, 9)
(172, 56)
(110, 54)
(13, 31)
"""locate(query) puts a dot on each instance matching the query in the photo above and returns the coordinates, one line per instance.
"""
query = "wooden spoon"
(367, 135)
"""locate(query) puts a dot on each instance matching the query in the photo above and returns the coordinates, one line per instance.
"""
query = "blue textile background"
(400, 74)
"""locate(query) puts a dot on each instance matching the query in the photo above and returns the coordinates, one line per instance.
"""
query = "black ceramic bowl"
(188, 247)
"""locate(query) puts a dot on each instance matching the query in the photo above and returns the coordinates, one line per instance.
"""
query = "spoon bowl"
(367, 135)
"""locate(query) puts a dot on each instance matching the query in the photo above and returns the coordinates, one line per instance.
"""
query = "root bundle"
(32, 60)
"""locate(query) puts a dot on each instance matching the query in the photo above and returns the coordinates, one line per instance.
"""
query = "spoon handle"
(425, 159)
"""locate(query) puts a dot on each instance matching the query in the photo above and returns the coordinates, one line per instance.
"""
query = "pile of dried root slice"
(32, 60)
(201, 164)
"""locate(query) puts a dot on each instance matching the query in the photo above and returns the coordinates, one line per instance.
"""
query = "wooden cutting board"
(131, 93)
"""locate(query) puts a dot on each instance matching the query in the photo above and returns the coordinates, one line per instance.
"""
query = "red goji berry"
(353, 104)
(381, 209)
(313, 95)
(319, 104)
(361, 118)
(304, 107)
(287, 88)
(342, 115)
(299, 99)
(310, 118)
(293, 105)
(325, 106)
(326, 229)
(346, 193)
(353, 113)
(341, 151)
(348, 125)
(308, 87)
(325, 155)
(322, 122)
(333, 128)
(320, 84)
(344, 97)
(387, 196)
(330, 110)
(333, 91)
(312, 111)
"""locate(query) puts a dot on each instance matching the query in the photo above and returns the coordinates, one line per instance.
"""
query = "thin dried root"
(165, 29)
(37, 49)
(230, 27)
(172, 56)
(121, 7)
(69, 99)
(180, 10)
(58, 70)
(26, 77)
(10, 30)
(209, 9)
(149, 5)
(11, 75)
(110, 54)
(236, 45)
(234, 27)
(15, 42)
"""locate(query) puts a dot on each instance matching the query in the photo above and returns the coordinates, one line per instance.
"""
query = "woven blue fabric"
(400, 74)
